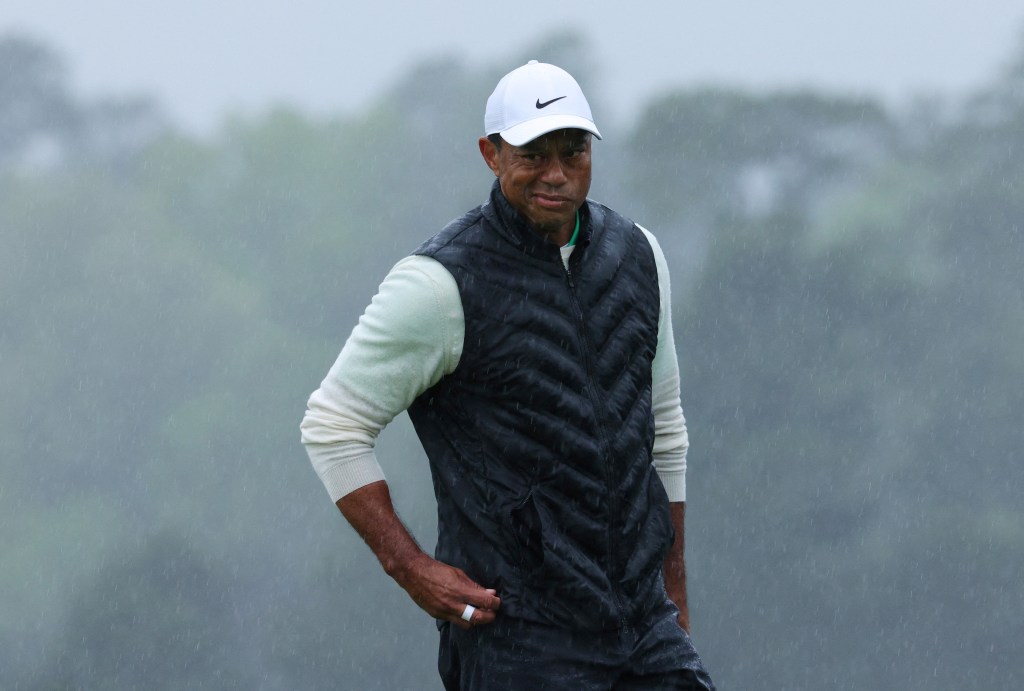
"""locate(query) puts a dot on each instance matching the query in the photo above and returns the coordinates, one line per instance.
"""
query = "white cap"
(535, 99)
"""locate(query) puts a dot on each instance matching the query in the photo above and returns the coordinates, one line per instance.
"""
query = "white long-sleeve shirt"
(409, 337)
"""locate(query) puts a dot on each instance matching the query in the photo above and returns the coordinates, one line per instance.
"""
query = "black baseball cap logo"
(545, 104)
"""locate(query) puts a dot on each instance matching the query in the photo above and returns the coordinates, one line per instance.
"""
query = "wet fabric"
(514, 654)
(540, 442)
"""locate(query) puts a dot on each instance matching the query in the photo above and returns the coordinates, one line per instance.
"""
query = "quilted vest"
(540, 441)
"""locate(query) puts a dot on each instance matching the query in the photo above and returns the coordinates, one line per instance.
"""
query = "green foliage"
(706, 154)
(34, 103)
(856, 374)
(160, 617)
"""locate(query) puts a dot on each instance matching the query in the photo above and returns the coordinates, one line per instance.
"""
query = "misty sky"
(204, 59)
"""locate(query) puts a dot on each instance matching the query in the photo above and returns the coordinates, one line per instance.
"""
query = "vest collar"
(514, 227)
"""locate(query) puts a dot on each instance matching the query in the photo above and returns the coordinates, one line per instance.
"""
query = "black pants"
(517, 655)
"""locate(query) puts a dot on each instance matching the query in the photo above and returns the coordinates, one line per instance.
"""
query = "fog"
(205, 59)
(196, 204)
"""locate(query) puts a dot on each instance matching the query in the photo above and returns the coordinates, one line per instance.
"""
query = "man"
(531, 343)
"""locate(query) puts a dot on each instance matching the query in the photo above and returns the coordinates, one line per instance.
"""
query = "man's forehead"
(558, 137)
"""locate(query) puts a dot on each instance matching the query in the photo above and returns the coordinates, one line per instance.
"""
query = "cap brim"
(524, 132)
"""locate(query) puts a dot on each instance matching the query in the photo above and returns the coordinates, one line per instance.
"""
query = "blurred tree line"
(849, 312)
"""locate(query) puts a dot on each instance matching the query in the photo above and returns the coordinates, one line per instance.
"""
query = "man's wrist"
(402, 565)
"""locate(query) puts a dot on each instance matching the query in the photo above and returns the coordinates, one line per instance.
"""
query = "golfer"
(531, 343)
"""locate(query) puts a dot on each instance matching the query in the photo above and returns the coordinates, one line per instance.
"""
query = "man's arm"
(408, 338)
(442, 591)
(671, 440)
(675, 565)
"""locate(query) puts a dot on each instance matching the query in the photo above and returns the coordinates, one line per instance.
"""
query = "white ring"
(467, 613)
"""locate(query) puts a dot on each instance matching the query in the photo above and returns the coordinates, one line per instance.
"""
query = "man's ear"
(490, 153)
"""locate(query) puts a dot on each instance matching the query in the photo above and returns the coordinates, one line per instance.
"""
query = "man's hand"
(674, 567)
(442, 591)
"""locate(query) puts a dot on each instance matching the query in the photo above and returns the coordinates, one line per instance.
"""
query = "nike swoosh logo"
(545, 104)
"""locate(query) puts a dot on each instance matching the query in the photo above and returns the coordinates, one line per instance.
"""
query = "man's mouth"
(550, 201)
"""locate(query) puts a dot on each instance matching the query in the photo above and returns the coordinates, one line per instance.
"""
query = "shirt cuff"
(675, 483)
(342, 473)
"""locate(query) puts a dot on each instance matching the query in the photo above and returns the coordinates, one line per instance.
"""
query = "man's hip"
(513, 654)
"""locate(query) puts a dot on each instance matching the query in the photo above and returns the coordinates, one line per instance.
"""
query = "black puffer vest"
(540, 441)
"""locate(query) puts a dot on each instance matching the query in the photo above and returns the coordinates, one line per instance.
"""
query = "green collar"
(575, 232)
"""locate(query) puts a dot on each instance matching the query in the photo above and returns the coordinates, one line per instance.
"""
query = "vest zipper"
(595, 400)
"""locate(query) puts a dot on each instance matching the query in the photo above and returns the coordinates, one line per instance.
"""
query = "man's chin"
(544, 219)
(549, 226)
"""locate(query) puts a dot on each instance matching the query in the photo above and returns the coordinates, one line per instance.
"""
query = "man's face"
(546, 180)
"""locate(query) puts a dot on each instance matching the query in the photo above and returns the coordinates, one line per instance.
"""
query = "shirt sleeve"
(409, 337)
(671, 440)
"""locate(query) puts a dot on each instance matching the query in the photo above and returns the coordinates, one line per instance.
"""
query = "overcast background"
(203, 59)
(837, 192)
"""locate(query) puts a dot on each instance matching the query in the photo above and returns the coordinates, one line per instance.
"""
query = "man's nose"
(554, 172)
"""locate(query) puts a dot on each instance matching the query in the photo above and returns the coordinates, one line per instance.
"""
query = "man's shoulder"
(607, 218)
(449, 235)
(603, 215)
